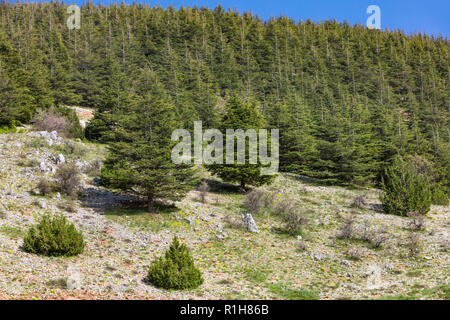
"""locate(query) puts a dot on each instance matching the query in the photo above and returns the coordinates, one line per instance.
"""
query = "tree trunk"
(150, 204)
(243, 187)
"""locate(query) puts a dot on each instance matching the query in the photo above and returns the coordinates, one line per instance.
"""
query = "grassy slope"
(268, 265)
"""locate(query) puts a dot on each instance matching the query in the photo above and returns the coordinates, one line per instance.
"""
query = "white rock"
(74, 278)
(60, 159)
(42, 204)
(220, 236)
(81, 164)
(345, 263)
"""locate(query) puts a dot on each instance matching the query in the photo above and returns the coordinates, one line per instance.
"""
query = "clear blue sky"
(429, 16)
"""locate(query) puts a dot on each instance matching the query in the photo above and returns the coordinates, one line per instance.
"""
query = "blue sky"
(428, 16)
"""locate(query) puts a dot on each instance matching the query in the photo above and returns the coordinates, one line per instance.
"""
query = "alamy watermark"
(374, 21)
(74, 20)
(236, 142)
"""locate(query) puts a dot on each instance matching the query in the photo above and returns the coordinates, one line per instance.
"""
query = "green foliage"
(176, 270)
(405, 191)
(54, 236)
(332, 89)
(439, 197)
(8, 129)
(292, 294)
(100, 128)
(139, 160)
(244, 116)
(44, 186)
(434, 174)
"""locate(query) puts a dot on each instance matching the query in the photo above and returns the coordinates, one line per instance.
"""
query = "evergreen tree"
(140, 158)
(244, 116)
(405, 191)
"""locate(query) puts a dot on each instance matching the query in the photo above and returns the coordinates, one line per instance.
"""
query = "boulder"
(60, 159)
(250, 223)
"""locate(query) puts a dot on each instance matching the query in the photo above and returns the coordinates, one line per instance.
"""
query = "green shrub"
(45, 187)
(405, 190)
(439, 197)
(294, 222)
(54, 236)
(8, 129)
(176, 270)
(68, 178)
(435, 175)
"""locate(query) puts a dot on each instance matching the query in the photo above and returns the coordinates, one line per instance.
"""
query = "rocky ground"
(122, 239)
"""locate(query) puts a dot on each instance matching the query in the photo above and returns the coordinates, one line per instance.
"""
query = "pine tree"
(241, 115)
(140, 158)
(405, 191)
(176, 269)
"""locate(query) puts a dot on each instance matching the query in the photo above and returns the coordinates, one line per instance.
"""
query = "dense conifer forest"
(346, 99)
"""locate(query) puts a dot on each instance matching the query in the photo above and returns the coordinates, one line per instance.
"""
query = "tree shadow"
(116, 203)
(220, 187)
(376, 207)
(98, 199)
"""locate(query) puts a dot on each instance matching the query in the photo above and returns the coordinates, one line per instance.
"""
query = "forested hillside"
(346, 99)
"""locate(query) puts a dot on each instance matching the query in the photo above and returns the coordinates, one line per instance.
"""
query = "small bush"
(234, 221)
(302, 246)
(28, 163)
(445, 245)
(44, 186)
(413, 244)
(54, 236)
(284, 207)
(203, 189)
(68, 206)
(94, 169)
(353, 253)
(417, 221)
(176, 270)
(375, 237)
(46, 121)
(439, 197)
(8, 129)
(359, 202)
(294, 221)
(62, 120)
(71, 149)
(405, 190)
(346, 231)
(254, 201)
(68, 178)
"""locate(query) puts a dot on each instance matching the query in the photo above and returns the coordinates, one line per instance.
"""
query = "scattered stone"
(190, 220)
(389, 267)
(41, 203)
(60, 159)
(345, 263)
(317, 256)
(220, 236)
(250, 223)
(82, 165)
